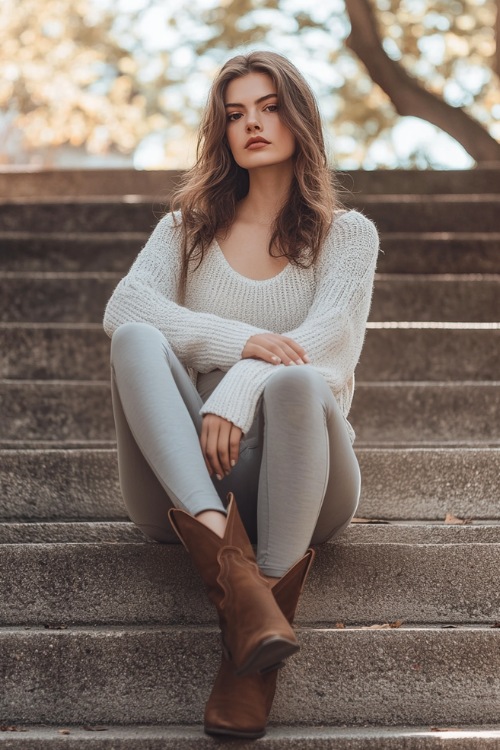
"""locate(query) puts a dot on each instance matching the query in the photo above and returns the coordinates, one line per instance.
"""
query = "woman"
(235, 336)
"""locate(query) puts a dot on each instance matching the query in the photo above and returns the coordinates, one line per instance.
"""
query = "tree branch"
(407, 94)
(496, 65)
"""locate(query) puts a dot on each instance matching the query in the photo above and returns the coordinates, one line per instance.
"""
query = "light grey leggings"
(297, 479)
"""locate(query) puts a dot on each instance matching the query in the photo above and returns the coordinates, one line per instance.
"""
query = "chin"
(270, 161)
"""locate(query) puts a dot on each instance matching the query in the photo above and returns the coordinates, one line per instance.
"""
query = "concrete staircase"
(106, 641)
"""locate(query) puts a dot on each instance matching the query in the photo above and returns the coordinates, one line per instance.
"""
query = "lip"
(256, 142)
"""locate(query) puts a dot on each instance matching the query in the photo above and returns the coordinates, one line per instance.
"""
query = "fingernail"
(218, 477)
(276, 359)
(233, 462)
(292, 362)
(227, 473)
(299, 362)
(306, 358)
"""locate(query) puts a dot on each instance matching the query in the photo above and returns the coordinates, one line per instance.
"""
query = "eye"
(271, 106)
(236, 115)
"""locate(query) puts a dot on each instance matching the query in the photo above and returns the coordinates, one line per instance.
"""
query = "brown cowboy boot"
(240, 706)
(255, 633)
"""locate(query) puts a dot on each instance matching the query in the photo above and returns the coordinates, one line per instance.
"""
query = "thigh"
(139, 352)
(154, 403)
(344, 479)
(145, 498)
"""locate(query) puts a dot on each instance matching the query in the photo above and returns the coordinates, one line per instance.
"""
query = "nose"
(252, 123)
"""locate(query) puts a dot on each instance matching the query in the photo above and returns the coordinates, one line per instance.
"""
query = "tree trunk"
(406, 93)
(496, 64)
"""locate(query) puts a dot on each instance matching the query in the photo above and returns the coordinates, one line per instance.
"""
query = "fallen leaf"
(369, 520)
(339, 625)
(450, 518)
(496, 624)
(383, 626)
(448, 626)
(64, 731)
(54, 626)
(444, 729)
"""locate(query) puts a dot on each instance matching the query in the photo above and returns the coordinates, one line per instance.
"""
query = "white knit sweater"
(324, 308)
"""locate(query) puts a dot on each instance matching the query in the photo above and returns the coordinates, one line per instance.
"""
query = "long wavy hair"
(208, 193)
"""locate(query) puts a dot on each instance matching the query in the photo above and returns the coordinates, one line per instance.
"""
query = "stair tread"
(120, 198)
(438, 212)
(372, 532)
(129, 583)
(382, 413)
(81, 296)
(178, 737)
(356, 675)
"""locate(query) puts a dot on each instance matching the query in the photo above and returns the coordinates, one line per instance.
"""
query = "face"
(251, 105)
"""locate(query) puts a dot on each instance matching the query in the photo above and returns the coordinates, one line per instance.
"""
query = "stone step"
(394, 181)
(66, 251)
(425, 483)
(93, 182)
(82, 297)
(405, 675)
(371, 574)
(431, 213)
(59, 297)
(382, 413)
(439, 252)
(391, 213)
(67, 533)
(433, 351)
(392, 351)
(403, 252)
(168, 737)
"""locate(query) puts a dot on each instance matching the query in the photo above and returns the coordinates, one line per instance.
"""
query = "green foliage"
(108, 75)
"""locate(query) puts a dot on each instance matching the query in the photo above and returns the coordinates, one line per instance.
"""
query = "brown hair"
(209, 191)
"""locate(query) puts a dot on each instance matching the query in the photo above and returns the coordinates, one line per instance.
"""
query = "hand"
(220, 443)
(275, 349)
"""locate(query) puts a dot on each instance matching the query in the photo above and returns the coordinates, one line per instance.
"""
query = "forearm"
(200, 340)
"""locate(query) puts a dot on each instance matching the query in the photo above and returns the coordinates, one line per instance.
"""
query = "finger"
(267, 355)
(289, 356)
(294, 344)
(296, 348)
(234, 444)
(278, 352)
(223, 446)
(212, 448)
(203, 445)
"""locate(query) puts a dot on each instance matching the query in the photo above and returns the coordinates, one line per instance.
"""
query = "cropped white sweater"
(324, 308)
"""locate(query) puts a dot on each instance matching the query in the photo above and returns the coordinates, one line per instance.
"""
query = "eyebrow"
(257, 101)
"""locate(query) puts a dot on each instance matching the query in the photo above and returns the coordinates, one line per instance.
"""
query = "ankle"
(271, 579)
(214, 520)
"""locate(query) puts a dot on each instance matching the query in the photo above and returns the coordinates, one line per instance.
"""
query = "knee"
(295, 382)
(132, 334)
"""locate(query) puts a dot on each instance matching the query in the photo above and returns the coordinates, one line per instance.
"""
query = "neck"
(269, 188)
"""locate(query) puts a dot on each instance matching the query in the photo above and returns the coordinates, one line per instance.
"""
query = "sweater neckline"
(247, 279)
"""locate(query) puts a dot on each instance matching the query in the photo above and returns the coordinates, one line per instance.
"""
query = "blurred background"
(121, 83)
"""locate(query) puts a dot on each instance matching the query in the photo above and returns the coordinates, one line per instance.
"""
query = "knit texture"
(324, 308)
